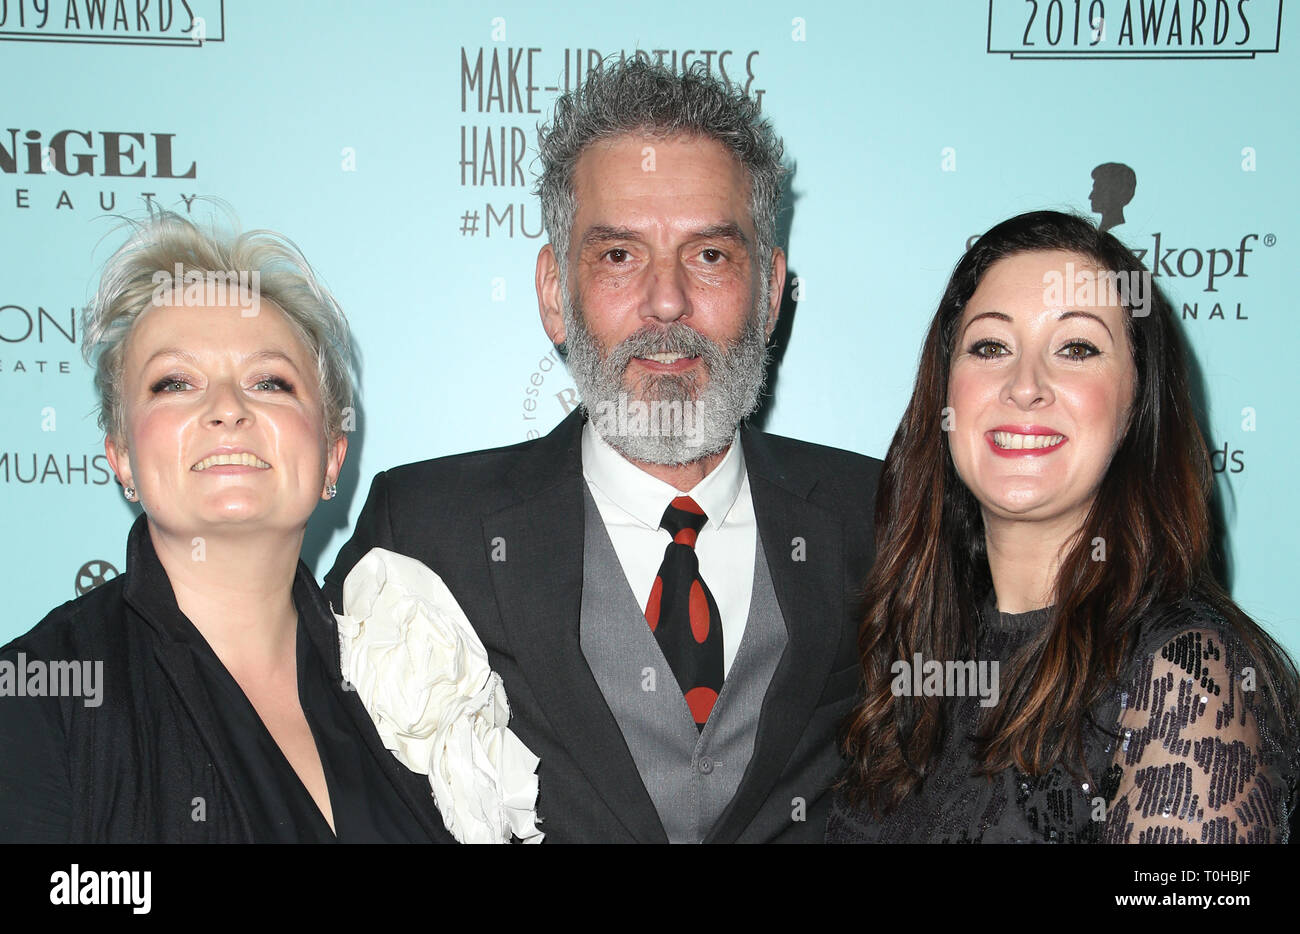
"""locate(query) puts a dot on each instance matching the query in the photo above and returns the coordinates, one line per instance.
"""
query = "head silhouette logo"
(1113, 185)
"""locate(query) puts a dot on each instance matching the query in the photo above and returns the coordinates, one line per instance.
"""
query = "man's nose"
(666, 299)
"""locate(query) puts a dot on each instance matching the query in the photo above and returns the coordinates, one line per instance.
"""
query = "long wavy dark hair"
(931, 571)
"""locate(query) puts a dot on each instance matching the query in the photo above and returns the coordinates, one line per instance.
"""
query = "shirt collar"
(148, 590)
(644, 497)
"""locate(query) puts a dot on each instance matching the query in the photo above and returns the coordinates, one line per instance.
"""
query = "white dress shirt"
(631, 503)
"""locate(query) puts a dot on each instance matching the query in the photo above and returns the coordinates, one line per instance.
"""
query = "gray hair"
(636, 96)
(165, 242)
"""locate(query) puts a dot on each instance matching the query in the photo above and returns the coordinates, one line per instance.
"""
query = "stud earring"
(331, 490)
(129, 493)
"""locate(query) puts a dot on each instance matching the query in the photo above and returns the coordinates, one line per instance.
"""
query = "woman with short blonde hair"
(223, 369)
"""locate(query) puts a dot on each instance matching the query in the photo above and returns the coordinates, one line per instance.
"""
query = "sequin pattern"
(1203, 764)
(1182, 750)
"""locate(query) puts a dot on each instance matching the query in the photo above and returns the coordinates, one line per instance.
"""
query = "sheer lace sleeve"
(1200, 755)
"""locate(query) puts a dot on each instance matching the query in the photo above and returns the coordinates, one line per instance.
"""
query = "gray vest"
(690, 775)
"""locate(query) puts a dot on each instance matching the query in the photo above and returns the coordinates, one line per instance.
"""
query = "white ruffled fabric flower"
(423, 674)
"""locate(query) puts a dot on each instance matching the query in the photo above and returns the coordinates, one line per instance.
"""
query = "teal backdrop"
(394, 142)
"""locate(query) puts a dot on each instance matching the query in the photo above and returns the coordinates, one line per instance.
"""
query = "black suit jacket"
(525, 503)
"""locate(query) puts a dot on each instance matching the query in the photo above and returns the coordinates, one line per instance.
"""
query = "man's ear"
(119, 460)
(550, 294)
(777, 290)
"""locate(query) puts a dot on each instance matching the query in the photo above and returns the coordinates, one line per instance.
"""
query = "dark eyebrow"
(986, 314)
(1086, 314)
(1065, 314)
(724, 231)
(603, 233)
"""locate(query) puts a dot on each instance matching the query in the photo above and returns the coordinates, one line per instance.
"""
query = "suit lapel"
(810, 594)
(539, 594)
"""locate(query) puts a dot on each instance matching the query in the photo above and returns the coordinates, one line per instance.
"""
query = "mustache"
(676, 338)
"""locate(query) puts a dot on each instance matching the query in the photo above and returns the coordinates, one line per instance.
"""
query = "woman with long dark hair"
(1046, 653)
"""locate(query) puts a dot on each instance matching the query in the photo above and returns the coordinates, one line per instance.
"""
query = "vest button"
(705, 765)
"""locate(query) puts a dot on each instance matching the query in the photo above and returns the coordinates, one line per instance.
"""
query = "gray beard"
(667, 419)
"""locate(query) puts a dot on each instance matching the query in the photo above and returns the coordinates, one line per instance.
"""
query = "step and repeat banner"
(394, 142)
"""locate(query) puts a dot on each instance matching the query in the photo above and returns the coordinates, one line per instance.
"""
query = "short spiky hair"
(635, 96)
(164, 241)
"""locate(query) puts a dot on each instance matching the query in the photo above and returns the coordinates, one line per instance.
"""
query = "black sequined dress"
(1183, 749)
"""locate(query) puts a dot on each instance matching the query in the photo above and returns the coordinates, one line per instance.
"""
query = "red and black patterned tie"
(682, 614)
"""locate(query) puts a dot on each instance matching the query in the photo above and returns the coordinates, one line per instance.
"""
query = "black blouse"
(1181, 750)
(175, 751)
(280, 807)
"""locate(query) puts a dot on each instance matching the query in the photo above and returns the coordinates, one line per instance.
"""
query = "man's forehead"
(683, 174)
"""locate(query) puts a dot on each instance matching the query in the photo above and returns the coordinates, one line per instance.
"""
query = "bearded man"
(672, 601)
